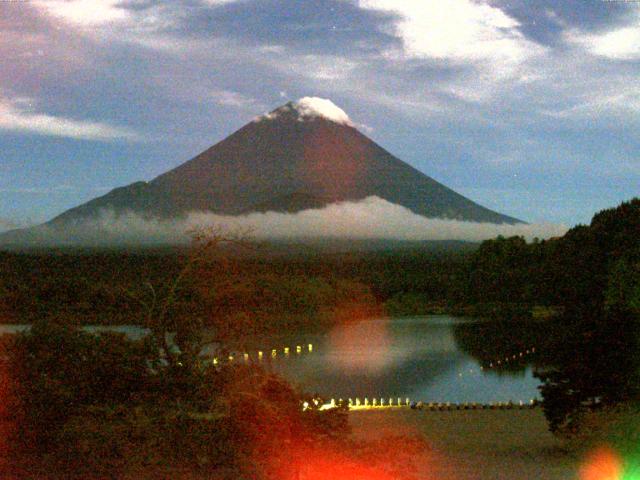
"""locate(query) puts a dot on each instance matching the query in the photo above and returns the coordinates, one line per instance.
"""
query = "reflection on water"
(131, 331)
(419, 358)
(433, 359)
(508, 342)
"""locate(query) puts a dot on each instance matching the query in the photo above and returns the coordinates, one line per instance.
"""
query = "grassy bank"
(475, 445)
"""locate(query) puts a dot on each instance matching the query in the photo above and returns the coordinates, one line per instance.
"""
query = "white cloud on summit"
(311, 107)
(18, 116)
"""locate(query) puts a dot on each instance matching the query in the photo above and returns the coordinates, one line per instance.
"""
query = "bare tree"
(207, 265)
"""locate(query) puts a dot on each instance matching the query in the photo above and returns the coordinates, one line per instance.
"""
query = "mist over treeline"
(372, 218)
(297, 285)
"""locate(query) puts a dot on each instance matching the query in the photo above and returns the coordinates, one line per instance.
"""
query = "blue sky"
(531, 108)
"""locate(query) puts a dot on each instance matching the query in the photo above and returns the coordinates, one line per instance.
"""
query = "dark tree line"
(296, 291)
(579, 272)
(591, 278)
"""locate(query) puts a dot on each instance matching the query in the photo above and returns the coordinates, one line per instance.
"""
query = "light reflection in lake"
(406, 357)
(414, 357)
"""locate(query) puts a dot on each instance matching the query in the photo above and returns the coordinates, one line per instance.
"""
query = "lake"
(415, 357)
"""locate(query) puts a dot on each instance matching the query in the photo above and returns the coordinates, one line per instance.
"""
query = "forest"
(587, 284)
(103, 287)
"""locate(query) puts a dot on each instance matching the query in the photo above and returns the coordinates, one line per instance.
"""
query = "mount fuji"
(303, 155)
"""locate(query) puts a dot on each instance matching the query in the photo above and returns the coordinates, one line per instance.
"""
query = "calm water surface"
(403, 357)
(415, 357)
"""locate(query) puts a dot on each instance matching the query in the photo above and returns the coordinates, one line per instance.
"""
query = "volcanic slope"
(302, 155)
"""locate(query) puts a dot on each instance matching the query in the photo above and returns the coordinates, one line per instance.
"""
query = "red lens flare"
(360, 345)
(5, 424)
(602, 464)
(330, 464)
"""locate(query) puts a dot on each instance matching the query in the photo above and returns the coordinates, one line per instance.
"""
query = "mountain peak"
(297, 158)
(310, 108)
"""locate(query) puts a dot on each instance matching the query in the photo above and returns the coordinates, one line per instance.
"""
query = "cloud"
(233, 99)
(216, 3)
(112, 22)
(457, 30)
(370, 218)
(85, 13)
(620, 104)
(148, 24)
(323, 68)
(621, 43)
(311, 107)
(18, 116)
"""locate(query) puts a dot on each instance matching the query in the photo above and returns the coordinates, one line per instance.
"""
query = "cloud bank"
(18, 116)
(371, 218)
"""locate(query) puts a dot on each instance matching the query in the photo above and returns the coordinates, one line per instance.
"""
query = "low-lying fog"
(370, 218)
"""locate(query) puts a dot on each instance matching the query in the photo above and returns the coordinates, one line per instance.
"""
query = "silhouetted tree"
(178, 335)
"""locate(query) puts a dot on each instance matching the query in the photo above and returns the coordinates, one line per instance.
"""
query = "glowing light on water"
(361, 346)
